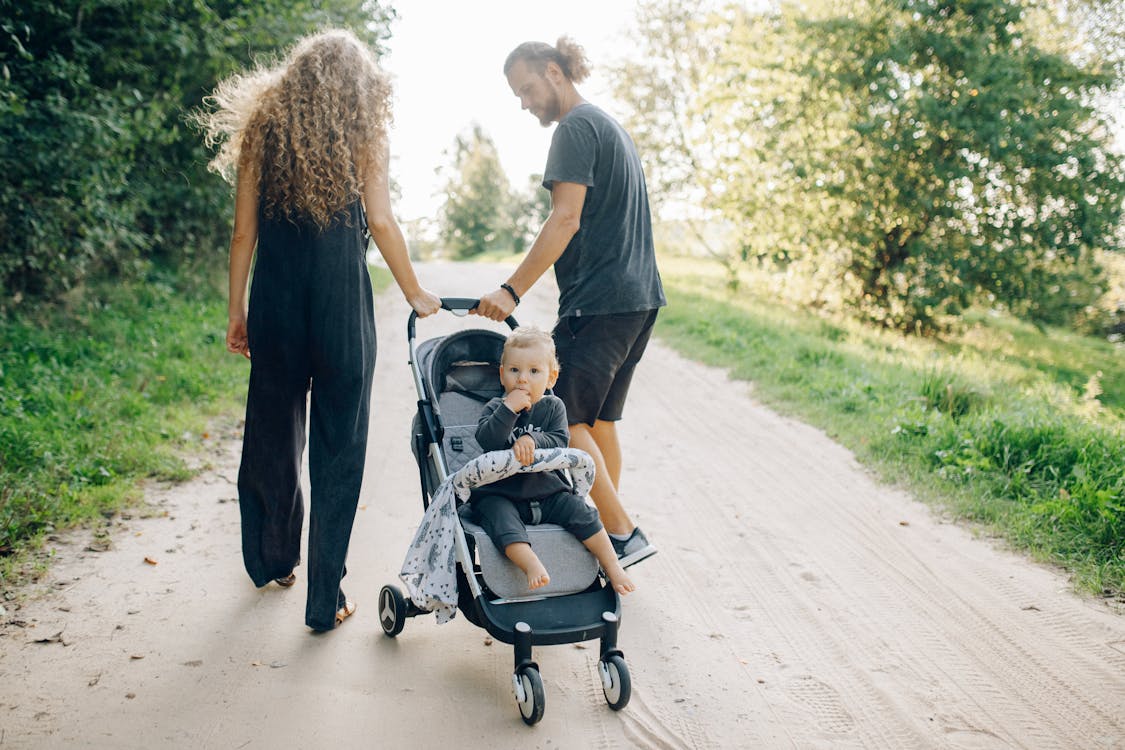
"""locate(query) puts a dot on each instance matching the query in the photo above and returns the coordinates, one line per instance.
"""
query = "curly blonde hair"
(567, 54)
(307, 130)
(530, 337)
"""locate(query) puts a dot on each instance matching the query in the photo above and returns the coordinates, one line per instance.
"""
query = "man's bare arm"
(567, 199)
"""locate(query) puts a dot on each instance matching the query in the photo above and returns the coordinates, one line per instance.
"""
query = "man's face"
(537, 94)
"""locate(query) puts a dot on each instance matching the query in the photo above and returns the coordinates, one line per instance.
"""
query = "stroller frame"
(594, 613)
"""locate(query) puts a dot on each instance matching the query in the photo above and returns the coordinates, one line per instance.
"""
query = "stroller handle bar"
(459, 306)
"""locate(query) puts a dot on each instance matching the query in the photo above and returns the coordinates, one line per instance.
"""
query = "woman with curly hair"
(305, 143)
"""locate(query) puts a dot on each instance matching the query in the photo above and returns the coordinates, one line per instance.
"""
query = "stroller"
(454, 376)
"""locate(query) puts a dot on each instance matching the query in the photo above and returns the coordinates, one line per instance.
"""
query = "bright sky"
(446, 57)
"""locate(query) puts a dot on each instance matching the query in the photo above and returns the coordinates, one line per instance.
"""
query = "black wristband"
(508, 288)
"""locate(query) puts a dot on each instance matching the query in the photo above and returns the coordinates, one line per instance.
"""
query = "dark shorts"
(505, 521)
(597, 355)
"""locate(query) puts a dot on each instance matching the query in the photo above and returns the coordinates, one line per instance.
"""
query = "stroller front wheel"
(392, 611)
(616, 683)
(528, 686)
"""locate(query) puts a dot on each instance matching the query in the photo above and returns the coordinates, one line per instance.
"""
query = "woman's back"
(307, 143)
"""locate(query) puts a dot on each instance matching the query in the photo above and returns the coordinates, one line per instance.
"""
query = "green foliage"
(1057, 485)
(97, 393)
(480, 210)
(666, 81)
(531, 209)
(102, 176)
(973, 166)
(991, 423)
(944, 394)
(907, 159)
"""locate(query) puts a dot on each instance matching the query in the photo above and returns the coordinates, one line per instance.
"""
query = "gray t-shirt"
(609, 265)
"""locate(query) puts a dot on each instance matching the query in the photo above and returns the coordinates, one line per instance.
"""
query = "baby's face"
(528, 368)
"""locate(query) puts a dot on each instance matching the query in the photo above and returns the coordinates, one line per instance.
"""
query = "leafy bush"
(905, 160)
(98, 393)
(1058, 484)
(102, 177)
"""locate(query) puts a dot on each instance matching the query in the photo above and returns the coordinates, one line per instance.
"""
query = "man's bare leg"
(605, 435)
(604, 492)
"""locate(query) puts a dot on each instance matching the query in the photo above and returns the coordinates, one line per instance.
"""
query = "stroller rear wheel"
(392, 610)
(528, 687)
(616, 683)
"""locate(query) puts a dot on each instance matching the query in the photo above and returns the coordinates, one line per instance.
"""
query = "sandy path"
(795, 603)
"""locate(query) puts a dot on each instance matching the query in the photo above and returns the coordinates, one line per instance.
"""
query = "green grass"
(1017, 429)
(120, 384)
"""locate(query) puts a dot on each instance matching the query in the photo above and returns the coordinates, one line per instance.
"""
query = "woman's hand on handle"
(424, 302)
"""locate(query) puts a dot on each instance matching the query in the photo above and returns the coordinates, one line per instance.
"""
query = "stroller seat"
(462, 374)
(571, 566)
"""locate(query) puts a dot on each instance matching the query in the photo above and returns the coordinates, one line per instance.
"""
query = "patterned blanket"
(429, 570)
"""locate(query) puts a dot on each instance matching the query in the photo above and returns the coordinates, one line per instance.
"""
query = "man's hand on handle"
(496, 305)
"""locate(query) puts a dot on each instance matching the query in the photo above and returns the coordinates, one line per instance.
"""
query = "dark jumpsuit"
(311, 322)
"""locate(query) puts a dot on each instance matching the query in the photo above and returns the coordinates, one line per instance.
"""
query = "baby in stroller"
(452, 563)
(524, 419)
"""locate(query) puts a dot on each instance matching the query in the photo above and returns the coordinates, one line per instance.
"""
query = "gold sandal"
(345, 612)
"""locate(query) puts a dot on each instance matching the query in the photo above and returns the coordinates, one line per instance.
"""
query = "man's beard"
(550, 111)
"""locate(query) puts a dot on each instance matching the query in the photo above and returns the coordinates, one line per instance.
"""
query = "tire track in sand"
(920, 646)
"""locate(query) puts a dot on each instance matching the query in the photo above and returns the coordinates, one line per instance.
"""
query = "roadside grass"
(1018, 430)
(119, 384)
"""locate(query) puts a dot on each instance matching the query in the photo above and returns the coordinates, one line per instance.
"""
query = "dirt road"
(795, 603)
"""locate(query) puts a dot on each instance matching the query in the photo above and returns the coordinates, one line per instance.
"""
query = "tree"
(667, 81)
(530, 210)
(973, 164)
(909, 157)
(478, 211)
(101, 175)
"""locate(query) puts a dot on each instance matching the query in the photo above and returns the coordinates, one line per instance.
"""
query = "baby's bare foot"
(620, 580)
(537, 577)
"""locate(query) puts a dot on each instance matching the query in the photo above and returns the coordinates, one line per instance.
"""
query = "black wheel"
(392, 610)
(529, 694)
(615, 681)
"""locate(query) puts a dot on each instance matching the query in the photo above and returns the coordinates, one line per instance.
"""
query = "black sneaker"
(634, 549)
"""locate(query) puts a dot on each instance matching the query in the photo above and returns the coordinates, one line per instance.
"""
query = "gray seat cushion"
(571, 566)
